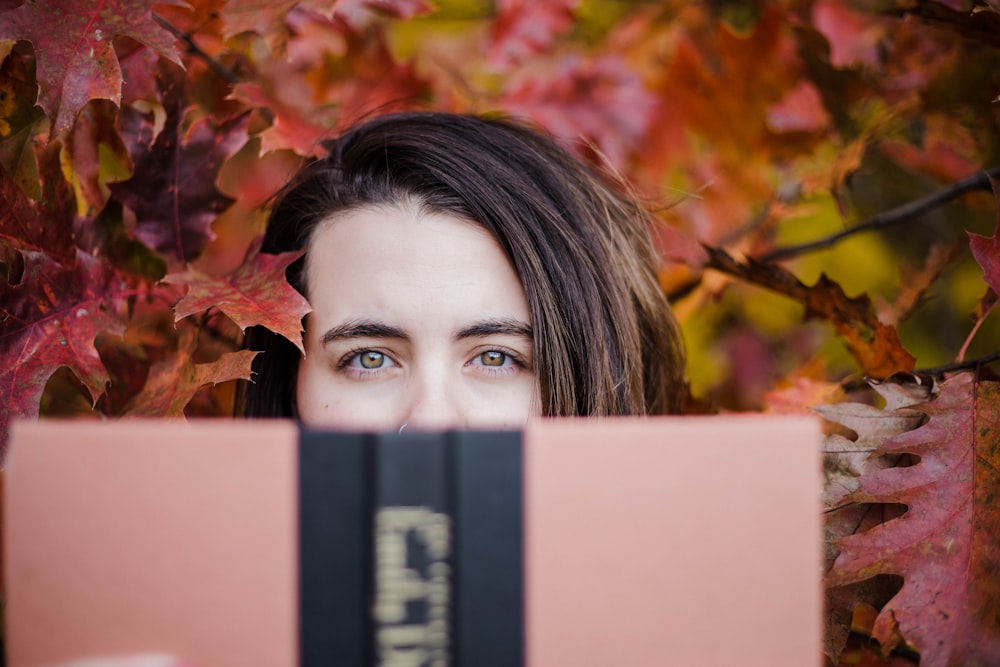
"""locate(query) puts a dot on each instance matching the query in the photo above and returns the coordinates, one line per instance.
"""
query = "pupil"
(371, 359)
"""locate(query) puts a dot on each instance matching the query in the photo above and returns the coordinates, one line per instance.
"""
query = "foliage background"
(140, 141)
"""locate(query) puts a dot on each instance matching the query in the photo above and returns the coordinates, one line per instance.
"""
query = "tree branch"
(978, 181)
(224, 72)
(937, 371)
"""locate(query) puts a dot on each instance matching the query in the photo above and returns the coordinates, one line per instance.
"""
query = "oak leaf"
(75, 55)
(256, 293)
(174, 381)
(947, 544)
(49, 320)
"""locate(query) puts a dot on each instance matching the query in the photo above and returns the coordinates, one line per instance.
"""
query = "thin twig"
(227, 74)
(959, 365)
(978, 181)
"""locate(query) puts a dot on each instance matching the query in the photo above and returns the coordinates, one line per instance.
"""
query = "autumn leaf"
(44, 226)
(95, 156)
(77, 62)
(256, 293)
(595, 101)
(359, 14)
(875, 346)
(947, 545)
(853, 36)
(49, 320)
(173, 192)
(524, 28)
(174, 381)
(800, 110)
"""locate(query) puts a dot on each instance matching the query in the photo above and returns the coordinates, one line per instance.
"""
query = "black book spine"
(411, 550)
(335, 495)
(413, 545)
(487, 471)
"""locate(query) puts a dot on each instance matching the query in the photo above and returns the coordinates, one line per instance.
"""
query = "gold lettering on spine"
(412, 545)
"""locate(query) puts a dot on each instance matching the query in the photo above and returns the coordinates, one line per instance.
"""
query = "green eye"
(493, 358)
(371, 359)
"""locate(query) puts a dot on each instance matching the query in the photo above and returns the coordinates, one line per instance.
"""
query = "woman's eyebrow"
(362, 329)
(508, 326)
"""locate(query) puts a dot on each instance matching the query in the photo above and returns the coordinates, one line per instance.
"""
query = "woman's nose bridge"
(434, 400)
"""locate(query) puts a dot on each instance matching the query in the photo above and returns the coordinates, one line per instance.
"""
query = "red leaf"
(947, 545)
(853, 36)
(76, 60)
(50, 320)
(365, 78)
(800, 110)
(359, 14)
(46, 226)
(256, 293)
(600, 101)
(173, 192)
(986, 250)
(525, 27)
(297, 124)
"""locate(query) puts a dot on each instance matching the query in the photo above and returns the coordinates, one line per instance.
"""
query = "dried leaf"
(76, 60)
(875, 346)
(174, 381)
(947, 545)
(845, 460)
(256, 293)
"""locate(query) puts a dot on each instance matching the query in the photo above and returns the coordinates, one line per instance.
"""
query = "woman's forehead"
(400, 261)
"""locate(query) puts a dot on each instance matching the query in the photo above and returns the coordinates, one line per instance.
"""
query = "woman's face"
(418, 319)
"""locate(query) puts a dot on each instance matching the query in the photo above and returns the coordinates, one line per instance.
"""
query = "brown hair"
(605, 340)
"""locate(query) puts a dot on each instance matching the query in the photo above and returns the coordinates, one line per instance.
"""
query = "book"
(571, 542)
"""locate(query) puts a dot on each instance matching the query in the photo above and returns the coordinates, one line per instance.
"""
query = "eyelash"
(345, 363)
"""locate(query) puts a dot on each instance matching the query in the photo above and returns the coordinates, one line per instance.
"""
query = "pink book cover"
(687, 541)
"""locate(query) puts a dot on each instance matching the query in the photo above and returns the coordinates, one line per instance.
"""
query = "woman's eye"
(494, 358)
(366, 360)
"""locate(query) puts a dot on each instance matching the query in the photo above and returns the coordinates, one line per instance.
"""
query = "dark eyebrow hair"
(362, 329)
(376, 329)
(509, 326)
